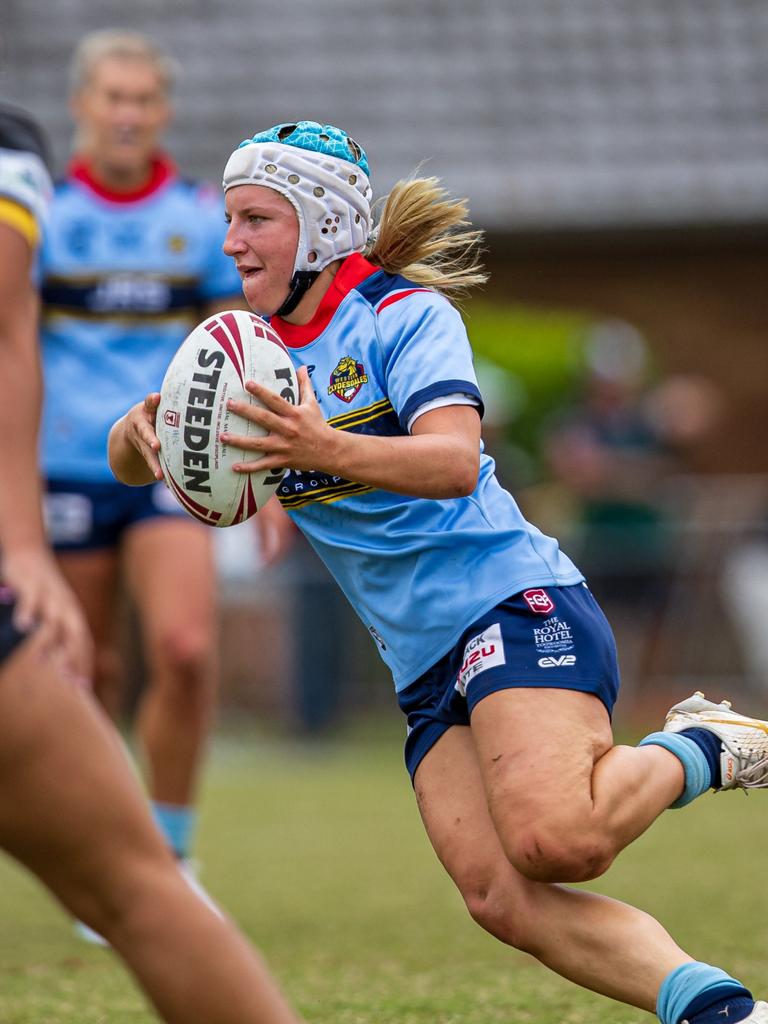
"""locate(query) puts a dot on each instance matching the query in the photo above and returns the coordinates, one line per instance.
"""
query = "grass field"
(319, 854)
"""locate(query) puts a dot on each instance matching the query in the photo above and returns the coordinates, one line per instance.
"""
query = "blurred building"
(547, 113)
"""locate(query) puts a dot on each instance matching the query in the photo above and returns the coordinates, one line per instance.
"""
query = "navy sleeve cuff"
(437, 390)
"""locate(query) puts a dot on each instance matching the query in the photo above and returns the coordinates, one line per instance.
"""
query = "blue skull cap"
(317, 138)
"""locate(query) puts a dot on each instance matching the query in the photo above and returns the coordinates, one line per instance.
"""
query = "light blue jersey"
(416, 570)
(123, 280)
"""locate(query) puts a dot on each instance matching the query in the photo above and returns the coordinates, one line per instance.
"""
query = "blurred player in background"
(503, 662)
(132, 260)
(70, 808)
(27, 566)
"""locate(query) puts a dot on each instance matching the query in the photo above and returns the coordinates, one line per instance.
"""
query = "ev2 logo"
(564, 661)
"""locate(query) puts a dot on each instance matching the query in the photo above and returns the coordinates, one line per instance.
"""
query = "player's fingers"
(150, 438)
(268, 398)
(47, 636)
(150, 457)
(151, 403)
(270, 421)
(268, 462)
(25, 610)
(63, 635)
(306, 391)
(248, 443)
(265, 445)
(77, 647)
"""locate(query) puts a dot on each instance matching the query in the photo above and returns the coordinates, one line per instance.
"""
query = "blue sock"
(727, 1010)
(701, 994)
(711, 748)
(177, 823)
(698, 776)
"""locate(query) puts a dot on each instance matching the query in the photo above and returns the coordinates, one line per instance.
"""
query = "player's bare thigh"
(565, 800)
(171, 573)
(70, 808)
(93, 575)
(537, 750)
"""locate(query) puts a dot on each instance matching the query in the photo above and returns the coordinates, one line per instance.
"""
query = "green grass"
(319, 854)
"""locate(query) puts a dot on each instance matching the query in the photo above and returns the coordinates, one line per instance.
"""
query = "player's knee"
(186, 656)
(496, 907)
(571, 854)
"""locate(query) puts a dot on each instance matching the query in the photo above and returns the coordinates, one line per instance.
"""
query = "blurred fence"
(712, 630)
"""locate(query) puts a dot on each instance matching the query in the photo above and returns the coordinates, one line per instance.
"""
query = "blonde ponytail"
(422, 235)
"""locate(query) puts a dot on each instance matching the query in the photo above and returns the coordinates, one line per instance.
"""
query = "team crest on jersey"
(347, 379)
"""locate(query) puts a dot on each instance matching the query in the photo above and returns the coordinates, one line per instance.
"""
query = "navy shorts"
(549, 637)
(10, 636)
(81, 516)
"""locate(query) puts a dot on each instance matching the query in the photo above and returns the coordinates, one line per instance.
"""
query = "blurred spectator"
(131, 262)
(613, 452)
(504, 398)
(745, 598)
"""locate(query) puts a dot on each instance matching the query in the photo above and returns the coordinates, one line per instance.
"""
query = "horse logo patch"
(347, 379)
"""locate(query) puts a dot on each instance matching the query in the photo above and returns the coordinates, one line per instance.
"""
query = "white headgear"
(331, 196)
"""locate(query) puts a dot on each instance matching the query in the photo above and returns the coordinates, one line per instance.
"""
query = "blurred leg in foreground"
(71, 812)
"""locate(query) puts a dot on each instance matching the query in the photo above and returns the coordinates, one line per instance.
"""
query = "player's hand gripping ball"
(211, 367)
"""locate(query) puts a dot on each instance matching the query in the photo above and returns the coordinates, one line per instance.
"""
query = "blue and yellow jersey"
(25, 186)
(416, 570)
(124, 278)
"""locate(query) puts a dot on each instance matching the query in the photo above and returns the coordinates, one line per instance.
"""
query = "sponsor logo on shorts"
(69, 517)
(483, 651)
(554, 636)
(539, 601)
(564, 661)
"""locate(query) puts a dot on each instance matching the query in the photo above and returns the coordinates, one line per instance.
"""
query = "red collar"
(352, 271)
(163, 170)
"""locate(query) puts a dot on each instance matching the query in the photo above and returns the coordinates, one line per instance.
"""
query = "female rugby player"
(502, 661)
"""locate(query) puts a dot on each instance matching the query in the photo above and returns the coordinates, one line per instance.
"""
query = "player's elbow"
(463, 474)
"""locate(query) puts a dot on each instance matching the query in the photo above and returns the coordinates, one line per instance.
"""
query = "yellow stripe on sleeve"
(19, 218)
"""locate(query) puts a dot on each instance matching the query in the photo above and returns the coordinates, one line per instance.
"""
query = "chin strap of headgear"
(301, 282)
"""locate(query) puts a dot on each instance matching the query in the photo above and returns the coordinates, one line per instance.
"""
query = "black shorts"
(10, 636)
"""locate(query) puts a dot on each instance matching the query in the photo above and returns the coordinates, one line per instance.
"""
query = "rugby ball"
(211, 367)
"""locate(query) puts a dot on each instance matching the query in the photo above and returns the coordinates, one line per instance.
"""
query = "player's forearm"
(21, 517)
(126, 462)
(422, 466)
